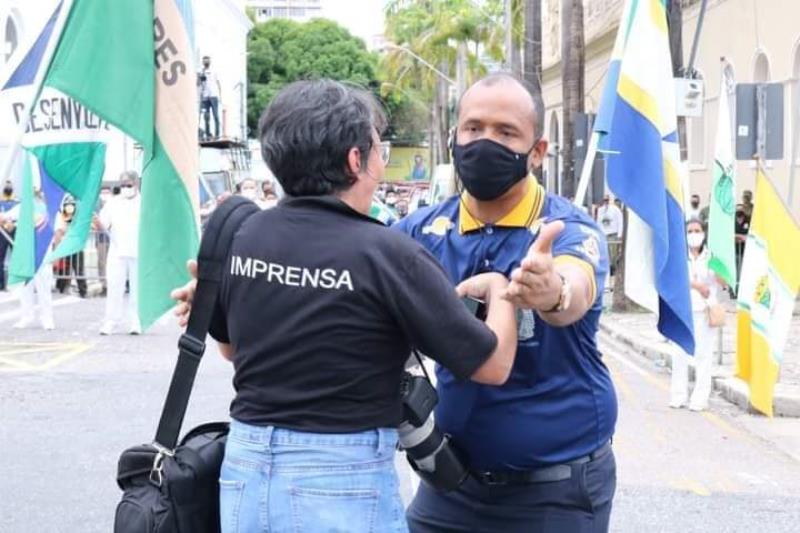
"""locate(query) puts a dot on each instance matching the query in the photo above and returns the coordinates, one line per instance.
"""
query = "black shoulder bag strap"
(211, 260)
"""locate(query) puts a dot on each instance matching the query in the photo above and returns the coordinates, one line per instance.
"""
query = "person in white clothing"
(42, 286)
(609, 216)
(694, 210)
(120, 219)
(704, 285)
(38, 290)
(210, 90)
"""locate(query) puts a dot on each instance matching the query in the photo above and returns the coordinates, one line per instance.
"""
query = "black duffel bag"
(175, 489)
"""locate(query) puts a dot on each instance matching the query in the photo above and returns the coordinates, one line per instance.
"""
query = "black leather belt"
(546, 474)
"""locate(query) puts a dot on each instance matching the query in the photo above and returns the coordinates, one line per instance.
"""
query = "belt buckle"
(489, 478)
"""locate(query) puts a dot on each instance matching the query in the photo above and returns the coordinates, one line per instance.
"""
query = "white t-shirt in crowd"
(120, 218)
(210, 87)
(610, 219)
(693, 213)
(699, 271)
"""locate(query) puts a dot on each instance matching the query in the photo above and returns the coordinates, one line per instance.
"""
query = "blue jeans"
(211, 104)
(279, 480)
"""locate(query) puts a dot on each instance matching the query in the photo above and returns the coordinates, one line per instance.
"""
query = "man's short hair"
(308, 130)
(536, 96)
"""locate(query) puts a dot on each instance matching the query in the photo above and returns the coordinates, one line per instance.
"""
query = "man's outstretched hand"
(535, 284)
(184, 295)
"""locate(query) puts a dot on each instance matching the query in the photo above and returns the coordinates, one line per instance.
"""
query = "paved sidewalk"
(638, 332)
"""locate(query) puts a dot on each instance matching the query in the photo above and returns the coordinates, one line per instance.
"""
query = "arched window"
(794, 115)
(697, 139)
(11, 40)
(761, 72)
(553, 182)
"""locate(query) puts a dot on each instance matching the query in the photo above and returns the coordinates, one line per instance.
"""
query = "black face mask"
(488, 169)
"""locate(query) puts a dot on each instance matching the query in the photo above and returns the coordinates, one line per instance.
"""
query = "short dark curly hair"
(308, 129)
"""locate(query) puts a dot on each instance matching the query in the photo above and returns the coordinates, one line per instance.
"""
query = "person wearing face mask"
(72, 264)
(538, 447)
(704, 288)
(270, 200)
(318, 397)
(610, 218)
(248, 189)
(120, 219)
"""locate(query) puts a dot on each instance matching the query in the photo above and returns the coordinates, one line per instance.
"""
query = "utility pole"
(532, 66)
(513, 61)
(675, 23)
(573, 56)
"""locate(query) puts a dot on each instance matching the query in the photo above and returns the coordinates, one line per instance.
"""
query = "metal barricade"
(85, 268)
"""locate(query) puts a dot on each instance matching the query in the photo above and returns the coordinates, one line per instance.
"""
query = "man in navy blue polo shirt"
(538, 446)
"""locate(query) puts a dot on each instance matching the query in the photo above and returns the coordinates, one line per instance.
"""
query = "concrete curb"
(786, 401)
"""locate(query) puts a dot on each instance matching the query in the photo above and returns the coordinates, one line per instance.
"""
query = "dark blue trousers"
(580, 504)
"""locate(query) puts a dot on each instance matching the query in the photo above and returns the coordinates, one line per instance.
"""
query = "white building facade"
(299, 10)
(760, 42)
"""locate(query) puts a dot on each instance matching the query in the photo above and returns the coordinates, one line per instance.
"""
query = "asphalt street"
(71, 401)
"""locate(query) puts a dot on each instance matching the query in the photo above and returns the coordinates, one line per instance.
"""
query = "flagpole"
(588, 165)
(38, 83)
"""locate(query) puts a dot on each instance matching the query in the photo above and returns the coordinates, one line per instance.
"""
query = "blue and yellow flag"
(638, 127)
(767, 290)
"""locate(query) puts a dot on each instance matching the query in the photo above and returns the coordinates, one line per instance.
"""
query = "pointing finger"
(544, 241)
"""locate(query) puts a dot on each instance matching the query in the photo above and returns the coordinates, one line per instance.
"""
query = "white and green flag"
(65, 150)
(723, 195)
(131, 63)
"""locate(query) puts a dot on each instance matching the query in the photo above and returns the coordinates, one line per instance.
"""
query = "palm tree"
(573, 54)
(434, 39)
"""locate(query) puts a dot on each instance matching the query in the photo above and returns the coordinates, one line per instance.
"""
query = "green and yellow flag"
(768, 286)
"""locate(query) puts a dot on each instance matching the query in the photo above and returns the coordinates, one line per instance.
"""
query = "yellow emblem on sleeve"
(440, 226)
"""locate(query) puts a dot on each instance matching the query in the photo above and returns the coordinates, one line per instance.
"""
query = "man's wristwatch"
(564, 298)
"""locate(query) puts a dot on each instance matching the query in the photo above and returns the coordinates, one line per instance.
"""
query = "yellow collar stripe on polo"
(521, 216)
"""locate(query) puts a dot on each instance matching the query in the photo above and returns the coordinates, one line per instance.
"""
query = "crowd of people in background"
(115, 241)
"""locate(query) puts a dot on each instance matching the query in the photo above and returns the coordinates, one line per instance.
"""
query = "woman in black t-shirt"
(318, 310)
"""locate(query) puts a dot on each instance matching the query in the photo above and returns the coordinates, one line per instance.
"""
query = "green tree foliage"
(427, 34)
(282, 51)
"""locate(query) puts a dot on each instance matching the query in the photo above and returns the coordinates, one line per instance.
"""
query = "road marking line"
(73, 349)
(65, 357)
(38, 349)
(15, 364)
(691, 485)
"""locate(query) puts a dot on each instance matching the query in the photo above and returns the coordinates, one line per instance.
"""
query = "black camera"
(429, 451)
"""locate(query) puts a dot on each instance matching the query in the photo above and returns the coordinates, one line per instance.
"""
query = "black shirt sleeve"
(219, 325)
(436, 321)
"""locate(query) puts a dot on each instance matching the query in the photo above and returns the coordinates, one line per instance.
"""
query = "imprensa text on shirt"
(292, 276)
